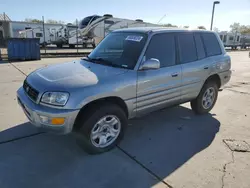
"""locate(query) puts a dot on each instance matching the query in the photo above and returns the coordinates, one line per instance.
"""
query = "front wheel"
(102, 130)
(206, 99)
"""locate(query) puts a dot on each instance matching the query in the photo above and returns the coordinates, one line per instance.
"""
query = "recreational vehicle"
(37, 33)
(61, 36)
(234, 40)
(93, 29)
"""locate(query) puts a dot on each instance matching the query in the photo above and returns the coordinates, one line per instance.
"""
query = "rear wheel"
(59, 45)
(206, 99)
(102, 129)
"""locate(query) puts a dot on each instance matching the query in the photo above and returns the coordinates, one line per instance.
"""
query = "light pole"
(215, 2)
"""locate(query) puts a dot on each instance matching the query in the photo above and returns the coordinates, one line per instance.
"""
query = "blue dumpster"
(23, 49)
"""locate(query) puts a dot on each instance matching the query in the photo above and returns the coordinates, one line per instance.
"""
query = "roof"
(158, 29)
(4, 17)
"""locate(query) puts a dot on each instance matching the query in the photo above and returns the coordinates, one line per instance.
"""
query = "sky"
(178, 12)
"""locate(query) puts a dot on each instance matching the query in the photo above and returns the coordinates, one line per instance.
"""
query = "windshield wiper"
(105, 62)
(87, 58)
(100, 60)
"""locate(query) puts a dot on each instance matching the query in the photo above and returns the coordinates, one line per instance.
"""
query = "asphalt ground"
(169, 148)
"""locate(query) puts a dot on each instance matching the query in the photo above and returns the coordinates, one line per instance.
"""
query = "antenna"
(162, 18)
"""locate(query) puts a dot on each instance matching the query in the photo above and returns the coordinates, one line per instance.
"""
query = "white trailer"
(234, 40)
(93, 29)
(61, 35)
(37, 33)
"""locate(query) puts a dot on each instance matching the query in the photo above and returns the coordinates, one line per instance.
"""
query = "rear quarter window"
(211, 43)
(199, 46)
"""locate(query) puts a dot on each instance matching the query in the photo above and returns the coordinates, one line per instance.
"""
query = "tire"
(84, 45)
(71, 46)
(87, 127)
(197, 104)
(44, 44)
(59, 45)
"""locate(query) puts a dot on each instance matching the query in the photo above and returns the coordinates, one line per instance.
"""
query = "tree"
(201, 27)
(169, 25)
(33, 20)
(186, 27)
(245, 29)
(235, 27)
(50, 21)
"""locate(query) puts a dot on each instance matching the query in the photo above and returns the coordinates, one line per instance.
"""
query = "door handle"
(206, 67)
(174, 74)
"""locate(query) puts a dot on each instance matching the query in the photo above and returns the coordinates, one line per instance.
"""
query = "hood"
(74, 74)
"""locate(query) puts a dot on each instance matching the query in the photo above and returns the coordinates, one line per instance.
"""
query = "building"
(4, 25)
(10, 29)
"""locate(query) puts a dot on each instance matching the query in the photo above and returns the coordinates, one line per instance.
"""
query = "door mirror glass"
(150, 64)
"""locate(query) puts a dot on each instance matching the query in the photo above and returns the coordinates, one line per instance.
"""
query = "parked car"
(130, 73)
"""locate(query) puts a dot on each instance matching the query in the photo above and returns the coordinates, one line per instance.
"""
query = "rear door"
(195, 67)
(161, 87)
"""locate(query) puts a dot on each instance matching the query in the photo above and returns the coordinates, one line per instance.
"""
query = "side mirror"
(150, 64)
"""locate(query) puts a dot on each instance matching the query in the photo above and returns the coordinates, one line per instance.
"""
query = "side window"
(238, 38)
(225, 38)
(39, 35)
(211, 43)
(199, 46)
(162, 47)
(187, 49)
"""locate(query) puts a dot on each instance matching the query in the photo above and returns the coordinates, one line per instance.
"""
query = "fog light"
(57, 121)
(44, 119)
(52, 121)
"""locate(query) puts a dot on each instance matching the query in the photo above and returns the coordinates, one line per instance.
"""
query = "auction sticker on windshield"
(134, 38)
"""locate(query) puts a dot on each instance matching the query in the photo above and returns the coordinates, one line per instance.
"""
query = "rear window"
(211, 43)
(187, 49)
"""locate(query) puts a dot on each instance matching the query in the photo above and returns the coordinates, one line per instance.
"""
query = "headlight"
(55, 98)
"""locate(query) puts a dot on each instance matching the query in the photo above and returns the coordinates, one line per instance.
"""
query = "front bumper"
(33, 110)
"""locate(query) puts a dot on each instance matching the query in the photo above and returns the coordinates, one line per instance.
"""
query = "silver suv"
(130, 73)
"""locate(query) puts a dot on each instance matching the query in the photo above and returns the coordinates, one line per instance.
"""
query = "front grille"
(30, 91)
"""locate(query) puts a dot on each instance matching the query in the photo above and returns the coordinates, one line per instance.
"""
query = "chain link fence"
(54, 37)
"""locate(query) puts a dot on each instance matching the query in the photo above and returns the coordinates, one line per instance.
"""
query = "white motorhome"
(234, 40)
(37, 33)
(61, 35)
(93, 29)
(245, 41)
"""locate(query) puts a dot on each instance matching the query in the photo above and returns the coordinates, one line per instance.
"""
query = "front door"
(159, 88)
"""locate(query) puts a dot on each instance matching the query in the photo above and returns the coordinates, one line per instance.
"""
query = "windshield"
(120, 49)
